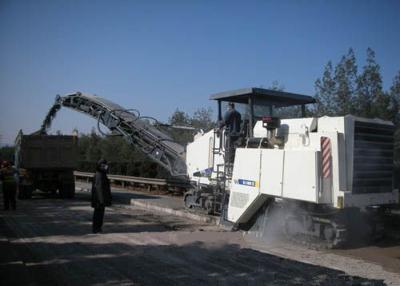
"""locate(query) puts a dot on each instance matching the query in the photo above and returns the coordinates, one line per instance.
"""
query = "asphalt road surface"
(48, 241)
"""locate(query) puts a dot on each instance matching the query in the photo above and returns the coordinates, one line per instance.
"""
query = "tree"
(93, 152)
(371, 100)
(179, 118)
(345, 84)
(325, 92)
(348, 92)
(394, 94)
(202, 119)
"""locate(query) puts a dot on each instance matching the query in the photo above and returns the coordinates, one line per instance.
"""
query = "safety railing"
(135, 181)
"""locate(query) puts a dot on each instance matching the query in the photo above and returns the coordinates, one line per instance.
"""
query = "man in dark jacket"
(231, 122)
(101, 194)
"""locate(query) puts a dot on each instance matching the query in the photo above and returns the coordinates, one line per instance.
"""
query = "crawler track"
(323, 233)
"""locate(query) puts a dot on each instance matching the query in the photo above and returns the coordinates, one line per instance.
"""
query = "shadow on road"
(76, 220)
(191, 264)
(75, 257)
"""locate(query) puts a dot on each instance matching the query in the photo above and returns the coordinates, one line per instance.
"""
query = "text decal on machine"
(246, 183)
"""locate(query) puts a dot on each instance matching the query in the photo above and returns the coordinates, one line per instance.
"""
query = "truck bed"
(46, 152)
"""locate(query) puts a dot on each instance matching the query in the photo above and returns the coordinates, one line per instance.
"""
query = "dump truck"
(46, 163)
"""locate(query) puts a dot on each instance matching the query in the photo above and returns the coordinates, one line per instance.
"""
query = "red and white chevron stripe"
(326, 157)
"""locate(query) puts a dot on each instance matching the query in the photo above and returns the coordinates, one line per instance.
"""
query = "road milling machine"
(323, 175)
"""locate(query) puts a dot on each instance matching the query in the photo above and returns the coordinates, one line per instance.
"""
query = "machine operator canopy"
(262, 96)
(259, 102)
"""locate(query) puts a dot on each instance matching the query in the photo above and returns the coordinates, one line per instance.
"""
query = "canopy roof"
(261, 96)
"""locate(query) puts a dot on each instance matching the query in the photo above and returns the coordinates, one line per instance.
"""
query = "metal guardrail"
(138, 180)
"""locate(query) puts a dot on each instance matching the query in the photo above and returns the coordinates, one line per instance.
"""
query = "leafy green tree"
(347, 92)
(179, 118)
(325, 95)
(93, 153)
(371, 100)
(345, 79)
(202, 119)
(394, 94)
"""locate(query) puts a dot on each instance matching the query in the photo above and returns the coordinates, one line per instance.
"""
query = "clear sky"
(157, 56)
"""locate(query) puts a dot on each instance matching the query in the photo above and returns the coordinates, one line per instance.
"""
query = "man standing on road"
(101, 195)
(9, 179)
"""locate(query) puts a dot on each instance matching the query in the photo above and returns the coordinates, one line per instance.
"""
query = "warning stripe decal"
(326, 157)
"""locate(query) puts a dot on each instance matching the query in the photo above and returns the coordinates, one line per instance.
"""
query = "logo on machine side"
(246, 183)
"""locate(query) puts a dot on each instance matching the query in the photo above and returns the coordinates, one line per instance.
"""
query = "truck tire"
(67, 191)
(25, 192)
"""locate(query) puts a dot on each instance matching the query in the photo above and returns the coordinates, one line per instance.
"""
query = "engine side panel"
(245, 197)
(301, 175)
(271, 178)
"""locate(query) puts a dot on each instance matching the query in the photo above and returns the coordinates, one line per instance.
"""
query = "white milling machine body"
(333, 167)
(328, 173)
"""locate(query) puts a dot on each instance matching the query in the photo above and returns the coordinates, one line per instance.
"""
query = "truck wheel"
(189, 200)
(25, 192)
(67, 191)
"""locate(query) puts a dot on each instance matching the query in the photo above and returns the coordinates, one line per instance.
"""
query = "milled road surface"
(48, 242)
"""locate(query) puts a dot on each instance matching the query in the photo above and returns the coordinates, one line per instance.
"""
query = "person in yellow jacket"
(9, 179)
